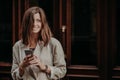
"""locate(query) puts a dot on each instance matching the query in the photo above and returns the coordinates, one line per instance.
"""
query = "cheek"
(40, 24)
(39, 29)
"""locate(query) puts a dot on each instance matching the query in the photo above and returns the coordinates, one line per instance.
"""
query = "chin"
(35, 32)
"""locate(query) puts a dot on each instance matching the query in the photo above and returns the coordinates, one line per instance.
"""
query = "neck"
(35, 36)
(33, 41)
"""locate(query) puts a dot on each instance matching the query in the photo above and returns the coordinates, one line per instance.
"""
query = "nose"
(35, 23)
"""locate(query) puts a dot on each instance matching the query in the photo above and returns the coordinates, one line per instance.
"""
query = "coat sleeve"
(58, 70)
(15, 63)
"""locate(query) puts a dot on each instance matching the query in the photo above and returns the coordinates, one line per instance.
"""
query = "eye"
(38, 20)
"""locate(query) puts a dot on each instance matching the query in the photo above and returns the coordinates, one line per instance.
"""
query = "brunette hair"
(27, 25)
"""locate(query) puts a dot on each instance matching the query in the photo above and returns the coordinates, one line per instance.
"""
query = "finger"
(35, 61)
(25, 63)
(25, 59)
(35, 57)
(29, 56)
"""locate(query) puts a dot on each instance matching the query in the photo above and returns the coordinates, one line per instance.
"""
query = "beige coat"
(51, 55)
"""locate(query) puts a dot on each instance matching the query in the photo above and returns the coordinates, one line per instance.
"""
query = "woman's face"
(37, 23)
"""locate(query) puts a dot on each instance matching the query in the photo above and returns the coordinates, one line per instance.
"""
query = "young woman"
(47, 60)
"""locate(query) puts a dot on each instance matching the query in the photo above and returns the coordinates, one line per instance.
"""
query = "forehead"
(36, 16)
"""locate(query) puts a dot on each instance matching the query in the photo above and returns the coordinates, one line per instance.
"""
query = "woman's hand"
(24, 64)
(26, 61)
(34, 60)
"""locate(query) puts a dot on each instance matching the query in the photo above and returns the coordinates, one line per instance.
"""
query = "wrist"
(21, 70)
(45, 69)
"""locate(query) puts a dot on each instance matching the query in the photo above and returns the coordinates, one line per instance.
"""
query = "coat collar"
(40, 43)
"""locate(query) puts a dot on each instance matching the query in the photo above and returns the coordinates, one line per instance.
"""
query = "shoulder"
(18, 43)
(54, 41)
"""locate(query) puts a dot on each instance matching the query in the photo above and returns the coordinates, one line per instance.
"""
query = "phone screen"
(27, 52)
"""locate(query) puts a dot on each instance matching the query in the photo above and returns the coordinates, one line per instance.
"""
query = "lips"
(35, 28)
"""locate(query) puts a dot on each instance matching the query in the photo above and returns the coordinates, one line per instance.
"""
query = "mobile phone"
(27, 52)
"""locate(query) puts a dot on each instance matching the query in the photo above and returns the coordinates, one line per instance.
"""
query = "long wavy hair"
(27, 25)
